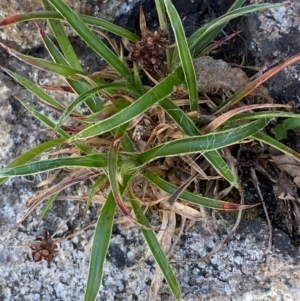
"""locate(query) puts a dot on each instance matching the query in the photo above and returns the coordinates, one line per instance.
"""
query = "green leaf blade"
(189, 128)
(150, 98)
(203, 36)
(98, 22)
(91, 39)
(101, 242)
(32, 153)
(204, 143)
(35, 89)
(189, 196)
(90, 161)
(62, 39)
(157, 251)
(184, 54)
(276, 144)
(87, 94)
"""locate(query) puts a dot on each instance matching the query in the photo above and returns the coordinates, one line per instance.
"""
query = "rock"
(273, 37)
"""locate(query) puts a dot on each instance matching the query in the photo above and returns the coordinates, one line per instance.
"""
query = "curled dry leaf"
(183, 210)
(285, 189)
(288, 209)
(288, 165)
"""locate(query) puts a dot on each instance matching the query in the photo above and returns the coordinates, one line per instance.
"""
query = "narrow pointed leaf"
(256, 83)
(113, 175)
(202, 144)
(213, 33)
(163, 24)
(62, 39)
(91, 39)
(44, 119)
(85, 175)
(261, 114)
(94, 21)
(36, 90)
(150, 98)
(44, 64)
(276, 144)
(156, 250)
(48, 122)
(91, 161)
(78, 87)
(101, 242)
(203, 36)
(32, 153)
(234, 112)
(184, 54)
(93, 191)
(91, 92)
(191, 197)
(47, 207)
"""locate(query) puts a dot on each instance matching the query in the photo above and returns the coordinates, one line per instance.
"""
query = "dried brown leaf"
(224, 117)
(289, 165)
(183, 210)
(166, 245)
(49, 180)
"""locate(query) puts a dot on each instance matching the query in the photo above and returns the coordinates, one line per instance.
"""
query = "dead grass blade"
(224, 117)
(268, 74)
(166, 245)
(217, 44)
(229, 236)
(172, 199)
(49, 179)
(255, 182)
(183, 210)
(183, 220)
(98, 199)
(77, 178)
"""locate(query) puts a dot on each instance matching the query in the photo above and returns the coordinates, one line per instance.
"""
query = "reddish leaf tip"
(9, 20)
(42, 32)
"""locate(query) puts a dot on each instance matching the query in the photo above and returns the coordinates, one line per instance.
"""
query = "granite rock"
(273, 37)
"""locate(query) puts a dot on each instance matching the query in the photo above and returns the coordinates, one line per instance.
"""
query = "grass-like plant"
(155, 86)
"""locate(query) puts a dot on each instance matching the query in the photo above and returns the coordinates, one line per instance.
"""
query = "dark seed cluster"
(148, 53)
(43, 248)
